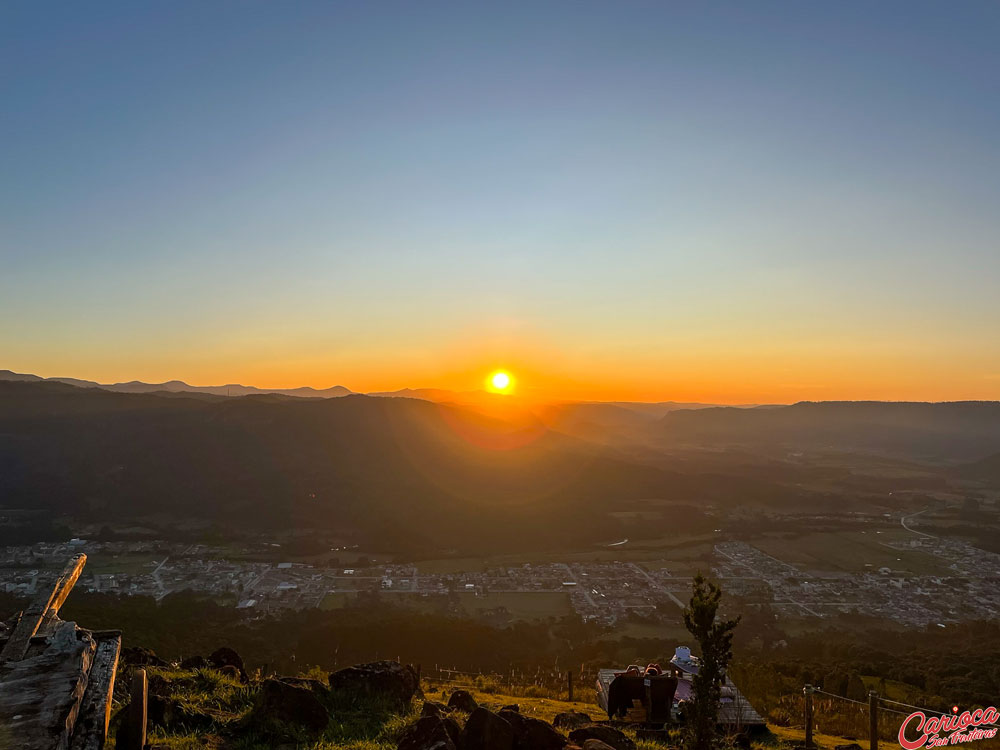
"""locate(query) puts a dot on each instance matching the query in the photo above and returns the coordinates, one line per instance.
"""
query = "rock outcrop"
(463, 701)
(571, 720)
(226, 657)
(137, 656)
(486, 731)
(428, 733)
(531, 733)
(387, 681)
(283, 703)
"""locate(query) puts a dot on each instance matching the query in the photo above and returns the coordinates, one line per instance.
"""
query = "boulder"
(167, 713)
(571, 720)
(319, 689)
(195, 662)
(137, 656)
(289, 704)
(230, 671)
(432, 708)
(607, 735)
(511, 707)
(486, 731)
(159, 710)
(463, 701)
(596, 745)
(226, 657)
(428, 733)
(387, 681)
(540, 735)
(454, 729)
(531, 733)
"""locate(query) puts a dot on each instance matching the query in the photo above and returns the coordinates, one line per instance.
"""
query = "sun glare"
(500, 382)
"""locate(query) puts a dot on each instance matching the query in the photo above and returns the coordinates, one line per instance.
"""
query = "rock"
(195, 662)
(571, 720)
(463, 701)
(289, 704)
(226, 657)
(486, 731)
(512, 707)
(596, 745)
(432, 708)
(428, 733)
(389, 681)
(319, 689)
(607, 735)
(138, 656)
(516, 721)
(531, 733)
(157, 684)
(159, 710)
(230, 671)
(167, 713)
(454, 729)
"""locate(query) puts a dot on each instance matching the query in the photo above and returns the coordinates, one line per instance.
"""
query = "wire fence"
(847, 717)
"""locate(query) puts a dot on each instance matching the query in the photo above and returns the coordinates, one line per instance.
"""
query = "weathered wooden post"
(137, 711)
(808, 692)
(569, 678)
(873, 719)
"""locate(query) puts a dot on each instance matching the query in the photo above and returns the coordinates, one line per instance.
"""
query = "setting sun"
(500, 382)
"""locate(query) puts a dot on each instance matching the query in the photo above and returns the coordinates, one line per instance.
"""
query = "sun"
(500, 381)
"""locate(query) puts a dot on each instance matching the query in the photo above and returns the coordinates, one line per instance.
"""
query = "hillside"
(406, 471)
(956, 431)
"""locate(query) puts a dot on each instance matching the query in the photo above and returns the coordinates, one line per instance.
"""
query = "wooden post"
(808, 692)
(569, 678)
(137, 712)
(91, 731)
(873, 719)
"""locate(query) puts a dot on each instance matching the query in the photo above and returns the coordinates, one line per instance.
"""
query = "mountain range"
(179, 386)
(415, 474)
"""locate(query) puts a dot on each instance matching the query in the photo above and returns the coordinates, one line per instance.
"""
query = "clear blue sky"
(745, 201)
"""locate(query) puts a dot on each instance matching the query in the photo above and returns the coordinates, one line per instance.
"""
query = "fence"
(878, 717)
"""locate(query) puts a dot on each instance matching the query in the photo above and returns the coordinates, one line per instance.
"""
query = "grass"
(532, 700)
(219, 704)
(853, 552)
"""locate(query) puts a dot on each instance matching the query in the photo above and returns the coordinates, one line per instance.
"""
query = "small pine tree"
(715, 641)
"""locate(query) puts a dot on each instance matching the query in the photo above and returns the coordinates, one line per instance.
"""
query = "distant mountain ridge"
(436, 395)
(945, 431)
(179, 386)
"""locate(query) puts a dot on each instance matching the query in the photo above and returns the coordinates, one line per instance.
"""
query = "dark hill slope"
(417, 474)
(960, 430)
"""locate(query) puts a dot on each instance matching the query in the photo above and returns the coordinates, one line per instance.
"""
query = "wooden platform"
(56, 679)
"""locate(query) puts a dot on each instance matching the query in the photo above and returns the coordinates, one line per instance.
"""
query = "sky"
(721, 202)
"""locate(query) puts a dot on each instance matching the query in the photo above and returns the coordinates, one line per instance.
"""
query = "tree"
(715, 641)
(856, 689)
